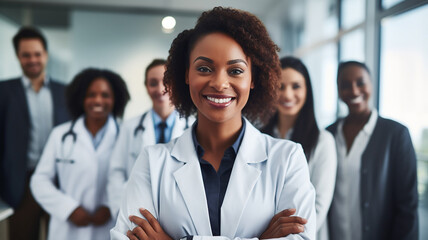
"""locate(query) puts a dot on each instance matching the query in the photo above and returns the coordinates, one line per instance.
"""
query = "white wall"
(124, 43)
(9, 66)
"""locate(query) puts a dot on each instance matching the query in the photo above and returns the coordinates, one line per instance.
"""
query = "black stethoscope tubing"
(141, 128)
(73, 135)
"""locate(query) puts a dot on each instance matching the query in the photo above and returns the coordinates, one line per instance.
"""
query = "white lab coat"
(127, 149)
(268, 176)
(79, 183)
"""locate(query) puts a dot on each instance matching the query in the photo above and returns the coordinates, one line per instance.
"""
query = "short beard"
(33, 75)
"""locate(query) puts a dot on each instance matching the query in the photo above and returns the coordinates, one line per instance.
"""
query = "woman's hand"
(101, 216)
(146, 229)
(283, 224)
(80, 217)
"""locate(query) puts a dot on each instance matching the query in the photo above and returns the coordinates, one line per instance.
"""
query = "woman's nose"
(219, 81)
(161, 88)
(287, 93)
(98, 98)
(355, 90)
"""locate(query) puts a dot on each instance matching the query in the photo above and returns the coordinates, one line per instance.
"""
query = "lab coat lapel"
(83, 135)
(109, 136)
(242, 180)
(148, 137)
(179, 126)
(190, 183)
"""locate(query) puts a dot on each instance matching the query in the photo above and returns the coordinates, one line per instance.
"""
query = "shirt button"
(365, 171)
(367, 228)
(366, 204)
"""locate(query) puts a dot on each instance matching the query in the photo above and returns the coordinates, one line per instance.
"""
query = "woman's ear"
(252, 84)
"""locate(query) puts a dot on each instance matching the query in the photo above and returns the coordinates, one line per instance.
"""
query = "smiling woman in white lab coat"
(222, 178)
(70, 180)
(141, 131)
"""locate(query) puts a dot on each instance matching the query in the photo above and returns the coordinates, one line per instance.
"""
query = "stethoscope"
(67, 157)
(137, 144)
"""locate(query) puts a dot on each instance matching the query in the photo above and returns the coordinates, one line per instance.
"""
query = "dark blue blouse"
(215, 183)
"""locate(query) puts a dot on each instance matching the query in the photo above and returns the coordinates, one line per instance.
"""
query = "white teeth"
(358, 99)
(287, 104)
(97, 109)
(219, 100)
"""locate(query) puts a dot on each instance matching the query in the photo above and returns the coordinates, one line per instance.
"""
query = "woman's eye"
(282, 86)
(105, 95)
(296, 86)
(360, 83)
(345, 86)
(203, 69)
(236, 71)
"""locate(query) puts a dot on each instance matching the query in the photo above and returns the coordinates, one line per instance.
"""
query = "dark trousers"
(25, 222)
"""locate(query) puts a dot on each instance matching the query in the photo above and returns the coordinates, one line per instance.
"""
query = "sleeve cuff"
(187, 238)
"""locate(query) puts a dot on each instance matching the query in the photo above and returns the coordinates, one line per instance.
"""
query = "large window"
(404, 85)
(322, 64)
(390, 3)
(352, 12)
(352, 46)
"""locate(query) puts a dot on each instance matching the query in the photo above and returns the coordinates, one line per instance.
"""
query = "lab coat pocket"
(69, 170)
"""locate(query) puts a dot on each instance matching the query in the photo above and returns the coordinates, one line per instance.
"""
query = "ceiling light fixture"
(168, 24)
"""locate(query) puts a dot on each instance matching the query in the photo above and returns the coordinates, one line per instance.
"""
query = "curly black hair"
(250, 33)
(76, 91)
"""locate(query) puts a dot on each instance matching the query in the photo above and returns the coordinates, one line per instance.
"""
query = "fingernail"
(142, 209)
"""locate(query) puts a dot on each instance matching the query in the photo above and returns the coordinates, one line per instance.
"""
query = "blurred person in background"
(158, 125)
(70, 180)
(295, 120)
(30, 106)
(376, 194)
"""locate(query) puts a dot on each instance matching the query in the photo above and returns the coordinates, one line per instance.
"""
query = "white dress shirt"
(40, 108)
(346, 206)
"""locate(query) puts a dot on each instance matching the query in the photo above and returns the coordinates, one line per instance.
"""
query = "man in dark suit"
(29, 107)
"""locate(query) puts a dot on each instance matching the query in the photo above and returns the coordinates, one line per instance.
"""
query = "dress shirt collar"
(368, 127)
(169, 120)
(27, 82)
(235, 146)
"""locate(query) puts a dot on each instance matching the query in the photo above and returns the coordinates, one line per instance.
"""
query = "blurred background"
(389, 35)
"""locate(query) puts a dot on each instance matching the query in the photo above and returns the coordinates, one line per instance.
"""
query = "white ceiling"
(260, 8)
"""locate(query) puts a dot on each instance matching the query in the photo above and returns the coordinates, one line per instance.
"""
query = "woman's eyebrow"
(237, 61)
(228, 62)
(204, 59)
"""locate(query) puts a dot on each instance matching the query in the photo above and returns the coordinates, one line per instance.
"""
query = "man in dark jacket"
(30, 106)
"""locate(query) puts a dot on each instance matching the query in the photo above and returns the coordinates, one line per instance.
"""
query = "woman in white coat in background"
(144, 130)
(70, 179)
(222, 178)
(295, 120)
